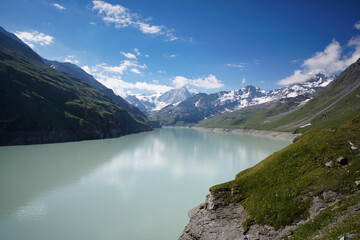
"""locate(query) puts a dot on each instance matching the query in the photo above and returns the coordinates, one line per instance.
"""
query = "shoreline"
(271, 134)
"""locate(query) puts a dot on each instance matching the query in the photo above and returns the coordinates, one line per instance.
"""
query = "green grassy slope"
(278, 191)
(338, 103)
(39, 104)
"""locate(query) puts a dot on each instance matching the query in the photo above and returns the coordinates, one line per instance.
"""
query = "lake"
(139, 186)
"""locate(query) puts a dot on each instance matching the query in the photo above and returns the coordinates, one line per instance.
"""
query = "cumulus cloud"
(87, 69)
(114, 81)
(71, 59)
(121, 17)
(147, 56)
(330, 60)
(209, 82)
(111, 77)
(58, 6)
(357, 25)
(124, 65)
(239, 66)
(134, 70)
(34, 38)
(128, 55)
(243, 81)
(137, 51)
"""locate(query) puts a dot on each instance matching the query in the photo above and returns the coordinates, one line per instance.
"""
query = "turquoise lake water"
(134, 187)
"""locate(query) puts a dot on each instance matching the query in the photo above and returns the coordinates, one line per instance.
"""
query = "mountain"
(331, 107)
(147, 103)
(202, 106)
(78, 72)
(11, 41)
(39, 104)
(308, 190)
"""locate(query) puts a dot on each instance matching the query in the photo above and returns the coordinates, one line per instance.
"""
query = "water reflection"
(134, 187)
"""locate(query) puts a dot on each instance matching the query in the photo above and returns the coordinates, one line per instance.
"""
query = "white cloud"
(111, 77)
(121, 87)
(87, 69)
(121, 17)
(240, 66)
(243, 81)
(33, 38)
(209, 82)
(328, 61)
(71, 59)
(357, 25)
(137, 51)
(173, 55)
(155, 81)
(58, 6)
(92, 23)
(147, 28)
(128, 55)
(147, 56)
(134, 70)
(124, 65)
(162, 72)
(180, 81)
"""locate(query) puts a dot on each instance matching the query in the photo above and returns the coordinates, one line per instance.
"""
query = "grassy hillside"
(39, 104)
(279, 190)
(338, 103)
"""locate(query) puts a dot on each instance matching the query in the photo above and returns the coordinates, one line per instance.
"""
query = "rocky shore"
(214, 219)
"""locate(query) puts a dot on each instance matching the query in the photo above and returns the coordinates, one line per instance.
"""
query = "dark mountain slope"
(11, 41)
(38, 104)
(78, 72)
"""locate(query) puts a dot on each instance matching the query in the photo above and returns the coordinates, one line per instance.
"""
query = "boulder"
(343, 161)
(329, 164)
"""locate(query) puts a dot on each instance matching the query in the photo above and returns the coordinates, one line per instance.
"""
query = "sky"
(142, 46)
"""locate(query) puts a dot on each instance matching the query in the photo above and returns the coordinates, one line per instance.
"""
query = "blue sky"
(137, 46)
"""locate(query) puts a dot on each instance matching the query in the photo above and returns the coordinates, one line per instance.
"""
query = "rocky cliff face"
(215, 219)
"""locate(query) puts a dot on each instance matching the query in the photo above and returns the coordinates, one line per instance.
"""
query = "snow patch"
(306, 125)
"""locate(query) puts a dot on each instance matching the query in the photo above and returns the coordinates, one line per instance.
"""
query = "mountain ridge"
(39, 104)
(328, 108)
(78, 72)
(202, 106)
(148, 103)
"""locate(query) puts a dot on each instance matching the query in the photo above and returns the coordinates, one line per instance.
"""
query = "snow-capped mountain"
(250, 95)
(155, 102)
(202, 105)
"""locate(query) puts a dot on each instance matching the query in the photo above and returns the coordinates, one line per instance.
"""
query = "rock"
(329, 164)
(317, 205)
(342, 238)
(343, 161)
(215, 220)
(357, 182)
(353, 147)
(330, 196)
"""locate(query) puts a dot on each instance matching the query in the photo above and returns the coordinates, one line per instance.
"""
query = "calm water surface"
(134, 187)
